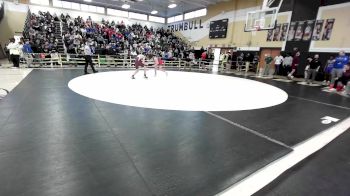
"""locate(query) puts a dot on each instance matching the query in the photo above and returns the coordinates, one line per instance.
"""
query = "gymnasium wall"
(235, 11)
(13, 21)
(340, 38)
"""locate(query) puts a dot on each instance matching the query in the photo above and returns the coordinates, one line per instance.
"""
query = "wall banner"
(316, 35)
(299, 31)
(308, 30)
(327, 32)
(291, 31)
(269, 35)
(284, 30)
(277, 32)
(188, 25)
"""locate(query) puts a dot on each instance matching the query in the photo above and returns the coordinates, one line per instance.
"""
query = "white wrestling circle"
(185, 91)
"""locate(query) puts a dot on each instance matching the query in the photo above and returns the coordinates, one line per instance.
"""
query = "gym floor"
(54, 141)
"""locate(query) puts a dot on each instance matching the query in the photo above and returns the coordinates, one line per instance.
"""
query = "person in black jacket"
(314, 66)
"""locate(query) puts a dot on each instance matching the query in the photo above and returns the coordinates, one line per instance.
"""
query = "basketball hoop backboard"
(263, 19)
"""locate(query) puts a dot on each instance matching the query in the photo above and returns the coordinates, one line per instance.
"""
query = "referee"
(88, 58)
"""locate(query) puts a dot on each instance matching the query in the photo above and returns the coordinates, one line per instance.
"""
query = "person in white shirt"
(15, 51)
(88, 52)
(278, 62)
(287, 63)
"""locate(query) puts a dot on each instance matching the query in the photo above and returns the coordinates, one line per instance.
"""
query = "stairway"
(65, 27)
(58, 36)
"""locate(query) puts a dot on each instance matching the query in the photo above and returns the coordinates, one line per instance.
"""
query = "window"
(176, 18)
(156, 19)
(179, 18)
(67, 5)
(92, 8)
(117, 13)
(84, 7)
(75, 6)
(57, 3)
(100, 10)
(171, 19)
(137, 16)
(189, 15)
(194, 14)
(40, 2)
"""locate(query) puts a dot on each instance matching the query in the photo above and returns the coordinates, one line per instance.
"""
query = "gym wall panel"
(13, 21)
(235, 34)
(235, 11)
(340, 39)
(219, 8)
(257, 39)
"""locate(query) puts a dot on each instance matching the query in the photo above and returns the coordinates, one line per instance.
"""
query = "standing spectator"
(287, 63)
(338, 67)
(223, 59)
(248, 58)
(327, 70)
(15, 50)
(278, 62)
(295, 63)
(256, 60)
(88, 58)
(7, 52)
(307, 67)
(27, 50)
(268, 59)
(204, 55)
(315, 65)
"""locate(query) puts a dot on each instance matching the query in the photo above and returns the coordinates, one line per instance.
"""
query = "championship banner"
(308, 30)
(327, 32)
(291, 31)
(299, 31)
(269, 35)
(284, 30)
(316, 35)
(277, 32)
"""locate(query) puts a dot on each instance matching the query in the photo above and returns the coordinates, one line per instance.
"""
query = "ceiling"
(146, 6)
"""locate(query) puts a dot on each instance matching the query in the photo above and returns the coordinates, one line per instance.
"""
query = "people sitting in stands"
(42, 32)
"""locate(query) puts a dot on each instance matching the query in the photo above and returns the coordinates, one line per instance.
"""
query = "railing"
(56, 60)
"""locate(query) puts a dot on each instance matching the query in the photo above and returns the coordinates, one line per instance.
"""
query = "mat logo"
(328, 120)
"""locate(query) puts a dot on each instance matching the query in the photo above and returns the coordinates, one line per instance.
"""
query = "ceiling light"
(154, 12)
(172, 5)
(126, 6)
(87, 0)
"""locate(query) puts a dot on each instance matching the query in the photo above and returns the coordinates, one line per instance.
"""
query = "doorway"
(273, 51)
